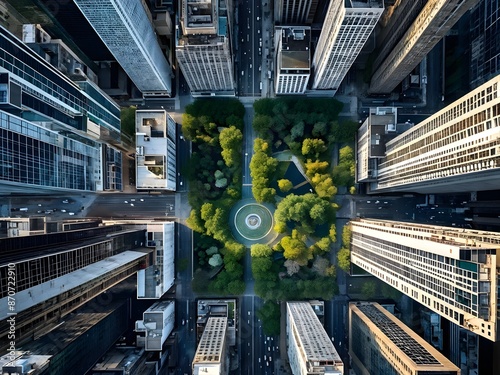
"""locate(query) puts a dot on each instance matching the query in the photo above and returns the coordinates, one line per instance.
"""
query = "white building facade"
(293, 59)
(455, 150)
(127, 29)
(344, 33)
(453, 272)
(310, 350)
(155, 141)
(203, 50)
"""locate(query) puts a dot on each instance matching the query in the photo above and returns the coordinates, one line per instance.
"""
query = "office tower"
(204, 48)
(451, 271)
(155, 327)
(310, 350)
(126, 27)
(485, 41)
(153, 282)
(400, 18)
(58, 272)
(155, 142)
(379, 343)
(78, 341)
(293, 59)
(295, 12)
(433, 22)
(212, 353)
(454, 150)
(345, 31)
(56, 132)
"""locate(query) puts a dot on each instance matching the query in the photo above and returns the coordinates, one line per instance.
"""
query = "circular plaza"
(252, 222)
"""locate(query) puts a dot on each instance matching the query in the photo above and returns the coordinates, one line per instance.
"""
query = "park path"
(247, 149)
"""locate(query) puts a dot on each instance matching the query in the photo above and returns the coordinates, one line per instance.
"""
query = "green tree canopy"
(344, 259)
(285, 185)
(260, 250)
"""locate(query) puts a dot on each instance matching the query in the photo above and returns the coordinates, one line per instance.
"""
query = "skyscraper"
(204, 48)
(433, 22)
(345, 31)
(58, 272)
(295, 12)
(54, 131)
(293, 59)
(454, 150)
(212, 353)
(452, 271)
(310, 350)
(381, 344)
(127, 29)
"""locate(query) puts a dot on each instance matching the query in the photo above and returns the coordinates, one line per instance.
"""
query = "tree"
(323, 184)
(295, 250)
(212, 250)
(195, 222)
(261, 266)
(313, 147)
(230, 141)
(215, 260)
(332, 233)
(321, 265)
(320, 129)
(260, 250)
(221, 183)
(346, 235)
(292, 267)
(324, 244)
(285, 185)
(344, 259)
(369, 289)
(270, 315)
(315, 167)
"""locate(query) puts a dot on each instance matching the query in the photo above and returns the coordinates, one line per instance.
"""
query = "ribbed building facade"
(381, 344)
(455, 150)
(295, 12)
(310, 350)
(451, 271)
(127, 29)
(433, 22)
(293, 60)
(212, 353)
(344, 33)
(204, 52)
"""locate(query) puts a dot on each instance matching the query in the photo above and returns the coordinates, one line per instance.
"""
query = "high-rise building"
(310, 350)
(204, 48)
(295, 12)
(433, 22)
(452, 271)
(126, 27)
(345, 31)
(155, 140)
(293, 59)
(155, 327)
(58, 272)
(485, 41)
(454, 150)
(381, 344)
(212, 353)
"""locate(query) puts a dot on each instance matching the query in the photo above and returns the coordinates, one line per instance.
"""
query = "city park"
(285, 225)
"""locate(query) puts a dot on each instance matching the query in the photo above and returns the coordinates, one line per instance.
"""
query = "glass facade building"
(35, 156)
(127, 29)
(30, 82)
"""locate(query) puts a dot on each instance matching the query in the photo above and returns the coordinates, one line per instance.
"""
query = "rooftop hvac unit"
(391, 127)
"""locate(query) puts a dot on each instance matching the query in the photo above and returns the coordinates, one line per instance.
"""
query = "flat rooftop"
(295, 48)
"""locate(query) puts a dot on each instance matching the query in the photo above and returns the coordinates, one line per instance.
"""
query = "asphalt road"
(249, 41)
(120, 206)
(248, 140)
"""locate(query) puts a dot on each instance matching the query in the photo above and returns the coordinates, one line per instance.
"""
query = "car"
(377, 202)
(39, 211)
(63, 210)
(131, 204)
(267, 363)
(268, 349)
(65, 201)
(259, 360)
(183, 322)
(39, 205)
(386, 202)
(71, 213)
(368, 201)
(265, 357)
(49, 211)
(126, 202)
(142, 200)
(132, 200)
